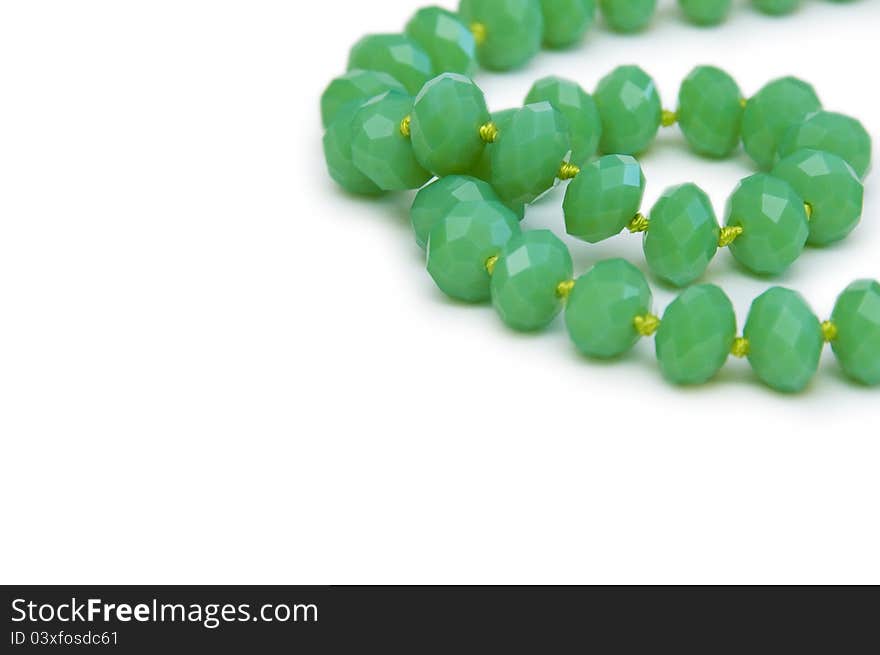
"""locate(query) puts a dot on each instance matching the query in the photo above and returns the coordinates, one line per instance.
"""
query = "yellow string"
(489, 132)
(740, 347)
(567, 171)
(728, 235)
(639, 223)
(404, 126)
(563, 289)
(668, 118)
(646, 324)
(490, 264)
(479, 32)
(829, 331)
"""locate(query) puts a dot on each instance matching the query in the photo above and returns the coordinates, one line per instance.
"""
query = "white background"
(217, 368)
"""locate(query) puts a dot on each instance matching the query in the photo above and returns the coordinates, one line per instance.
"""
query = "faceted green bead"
(785, 339)
(337, 154)
(528, 153)
(395, 54)
(705, 12)
(857, 318)
(447, 40)
(525, 279)
(566, 21)
(579, 110)
(445, 124)
(770, 112)
(682, 236)
(776, 7)
(483, 168)
(774, 223)
(437, 199)
(696, 334)
(462, 242)
(603, 198)
(844, 136)
(831, 188)
(627, 15)
(710, 111)
(602, 307)
(354, 88)
(380, 150)
(629, 107)
(513, 30)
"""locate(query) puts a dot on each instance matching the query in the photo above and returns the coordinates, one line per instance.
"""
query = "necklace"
(407, 112)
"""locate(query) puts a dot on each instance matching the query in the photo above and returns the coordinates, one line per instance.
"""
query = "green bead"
(857, 318)
(710, 111)
(603, 198)
(775, 108)
(831, 188)
(395, 54)
(337, 154)
(483, 168)
(566, 21)
(785, 339)
(603, 305)
(462, 242)
(776, 7)
(579, 110)
(380, 150)
(513, 30)
(774, 223)
(447, 40)
(354, 88)
(705, 12)
(437, 199)
(526, 277)
(445, 124)
(696, 334)
(844, 136)
(629, 107)
(528, 153)
(682, 236)
(627, 15)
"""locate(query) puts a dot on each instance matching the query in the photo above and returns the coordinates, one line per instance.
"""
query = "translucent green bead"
(354, 88)
(857, 319)
(825, 130)
(602, 307)
(483, 168)
(785, 339)
(528, 153)
(379, 148)
(526, 277)
(629, 107)
(445, 124)
(461, 244)
(705, 12)
(831, 188)
(437, 199)
(447, 40)
(566, 21)
(696, 334)
(511, 30)
(395, 54)
(682, 236)
(579, 110)
(603, 198)
(774, 223)
(337, 154)
(776, 7)
(770, 112)
(627, 15)
(710, 111)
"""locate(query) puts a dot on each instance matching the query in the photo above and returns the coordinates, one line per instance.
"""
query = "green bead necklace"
(407, 111)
